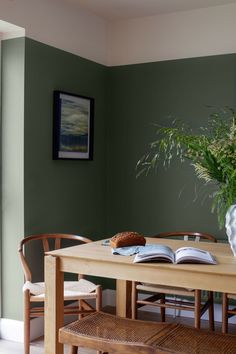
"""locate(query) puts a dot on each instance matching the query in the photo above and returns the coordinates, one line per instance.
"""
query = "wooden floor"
(37, 346)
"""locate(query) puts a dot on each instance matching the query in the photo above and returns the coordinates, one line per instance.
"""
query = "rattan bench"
(111, 334)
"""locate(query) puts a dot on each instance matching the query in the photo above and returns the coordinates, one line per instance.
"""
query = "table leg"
(123, 298)
(54, 305)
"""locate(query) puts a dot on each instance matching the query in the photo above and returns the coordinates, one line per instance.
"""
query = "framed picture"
(73, 126)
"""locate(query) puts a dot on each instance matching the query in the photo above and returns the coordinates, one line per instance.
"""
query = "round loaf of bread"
(127, 238)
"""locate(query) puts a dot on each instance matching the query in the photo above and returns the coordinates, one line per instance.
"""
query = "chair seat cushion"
(72, 290)
(164, 289)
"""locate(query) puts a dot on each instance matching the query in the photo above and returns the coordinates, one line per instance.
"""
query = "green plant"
(212, 152)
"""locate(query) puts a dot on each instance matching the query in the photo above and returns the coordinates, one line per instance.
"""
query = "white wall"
(178, 35)
(12, 213)
(8, 30)
(66, 27)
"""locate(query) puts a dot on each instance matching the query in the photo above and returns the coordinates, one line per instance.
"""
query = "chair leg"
(197, 309)
(162, 309)
(26, 322)
(99, 298)
(225, 305)
(80, 315)
(211, 310)
(134, 297)
(73, 350)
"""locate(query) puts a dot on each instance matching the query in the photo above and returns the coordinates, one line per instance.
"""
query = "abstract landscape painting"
(73, 126)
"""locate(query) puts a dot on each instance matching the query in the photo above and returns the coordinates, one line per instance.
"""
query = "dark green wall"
(59, 196)
(149, 93)
(62, 195)
(101, 197)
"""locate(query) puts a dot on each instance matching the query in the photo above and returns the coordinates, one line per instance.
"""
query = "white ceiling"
(124, 9)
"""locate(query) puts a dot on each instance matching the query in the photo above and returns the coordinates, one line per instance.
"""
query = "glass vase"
(230, 225)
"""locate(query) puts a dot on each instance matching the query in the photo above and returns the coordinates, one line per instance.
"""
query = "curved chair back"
(187, 236)
(48, 242)
(31, 251)
(159, 295)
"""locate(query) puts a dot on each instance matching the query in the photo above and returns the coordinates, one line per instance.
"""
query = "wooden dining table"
(96, 259)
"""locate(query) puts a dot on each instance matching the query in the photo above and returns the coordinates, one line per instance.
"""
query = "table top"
(226, 262)
(95, 259)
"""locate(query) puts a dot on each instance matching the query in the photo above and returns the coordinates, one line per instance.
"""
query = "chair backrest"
(48, 242)
(187, 236)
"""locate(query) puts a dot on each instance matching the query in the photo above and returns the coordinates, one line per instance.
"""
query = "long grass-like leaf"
(212, 153)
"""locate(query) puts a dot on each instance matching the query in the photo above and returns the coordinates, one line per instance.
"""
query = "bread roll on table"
(127, 238)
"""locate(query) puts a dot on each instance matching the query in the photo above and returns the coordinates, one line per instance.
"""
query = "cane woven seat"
(112, 328)
(188, 340)
(112, 334)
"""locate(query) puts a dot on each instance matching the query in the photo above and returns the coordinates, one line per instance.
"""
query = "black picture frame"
(73, 126)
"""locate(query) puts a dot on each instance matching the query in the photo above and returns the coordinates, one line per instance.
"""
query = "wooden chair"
(227, 311)
(111, 334)
(81, 290)
(158, 293)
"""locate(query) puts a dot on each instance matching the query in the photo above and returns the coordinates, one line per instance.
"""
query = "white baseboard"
(13, 330)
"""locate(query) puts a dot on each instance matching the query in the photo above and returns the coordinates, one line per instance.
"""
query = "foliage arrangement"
(212, 152)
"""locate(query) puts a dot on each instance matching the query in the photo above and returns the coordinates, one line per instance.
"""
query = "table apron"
(174, 277)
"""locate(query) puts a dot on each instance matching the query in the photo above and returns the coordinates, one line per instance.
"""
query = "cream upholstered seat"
(172, 290)
(157, 293)
(34, 292)
(227, 310)
(81, 289)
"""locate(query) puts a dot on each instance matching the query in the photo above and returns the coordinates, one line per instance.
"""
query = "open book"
(162, 253)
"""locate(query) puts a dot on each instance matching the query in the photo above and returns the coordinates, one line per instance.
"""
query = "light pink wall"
(67, 27)
(178, 35)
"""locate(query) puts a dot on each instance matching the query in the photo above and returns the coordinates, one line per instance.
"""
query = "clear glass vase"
(230, 225)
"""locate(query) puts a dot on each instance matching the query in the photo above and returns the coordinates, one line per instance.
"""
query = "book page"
(155, 253)
(193, 255)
